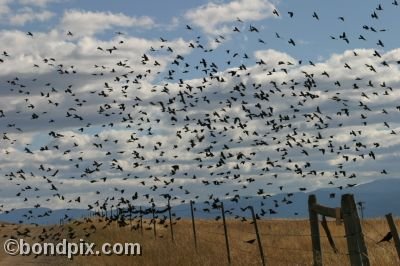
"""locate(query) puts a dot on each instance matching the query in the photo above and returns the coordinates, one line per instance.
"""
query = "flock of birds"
(227, 131)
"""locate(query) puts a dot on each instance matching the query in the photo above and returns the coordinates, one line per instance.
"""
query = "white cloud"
(29, 15)
(39, 3)
(271, 56)
(175, 22)
(212, 17)
(24, 13)
(25, 51)
(4, 8)
(85, 23)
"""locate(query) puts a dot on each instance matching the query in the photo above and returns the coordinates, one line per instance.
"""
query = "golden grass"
(285, 242)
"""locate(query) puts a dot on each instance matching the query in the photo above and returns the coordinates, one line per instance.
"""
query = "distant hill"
(40, 215)
(378, 197)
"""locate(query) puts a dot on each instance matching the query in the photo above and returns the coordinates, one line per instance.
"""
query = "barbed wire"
(209, 232)
(288, 248)
(242, 231)
(239, 241)
(284, 259)
(209, 240)
(371, 226)
(288, 235)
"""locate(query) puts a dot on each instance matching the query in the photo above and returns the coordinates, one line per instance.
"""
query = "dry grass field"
(285, 242)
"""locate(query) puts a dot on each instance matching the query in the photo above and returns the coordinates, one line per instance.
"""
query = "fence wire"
(243, 238)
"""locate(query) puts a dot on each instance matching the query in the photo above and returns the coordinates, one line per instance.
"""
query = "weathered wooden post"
(315, 238)
(393, 230)
(193, 225)
(355, 241)
(226, 234)
(170, 220)
(130, 216)
(141, 220)
(154, 223)
(260, 248)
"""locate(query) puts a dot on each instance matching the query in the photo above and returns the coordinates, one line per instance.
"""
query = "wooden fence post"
(393, 230)
(170, 220)
(226, 234)
(130, 216)
(141, 220)
(315, 237)
(260, 248)
(154, 223)
(355, 241)
(193, 225)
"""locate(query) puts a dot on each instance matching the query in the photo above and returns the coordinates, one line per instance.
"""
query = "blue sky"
(164, 12)
(63, 79)
(311, 35)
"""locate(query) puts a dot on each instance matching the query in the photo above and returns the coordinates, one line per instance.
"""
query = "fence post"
(314, 225)
(141, 220)
(355, 241)
(393, 230)
(130, 216)
(258, 236)
(154, 224)
(226, 234)
(193, 225)
(170, 220)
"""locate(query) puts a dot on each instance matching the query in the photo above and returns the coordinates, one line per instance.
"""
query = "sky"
(199, 100)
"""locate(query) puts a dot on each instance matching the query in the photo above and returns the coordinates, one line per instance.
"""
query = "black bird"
(251, 241)
(386, 238)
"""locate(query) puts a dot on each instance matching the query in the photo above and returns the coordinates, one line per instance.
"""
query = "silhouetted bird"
(386, 238)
